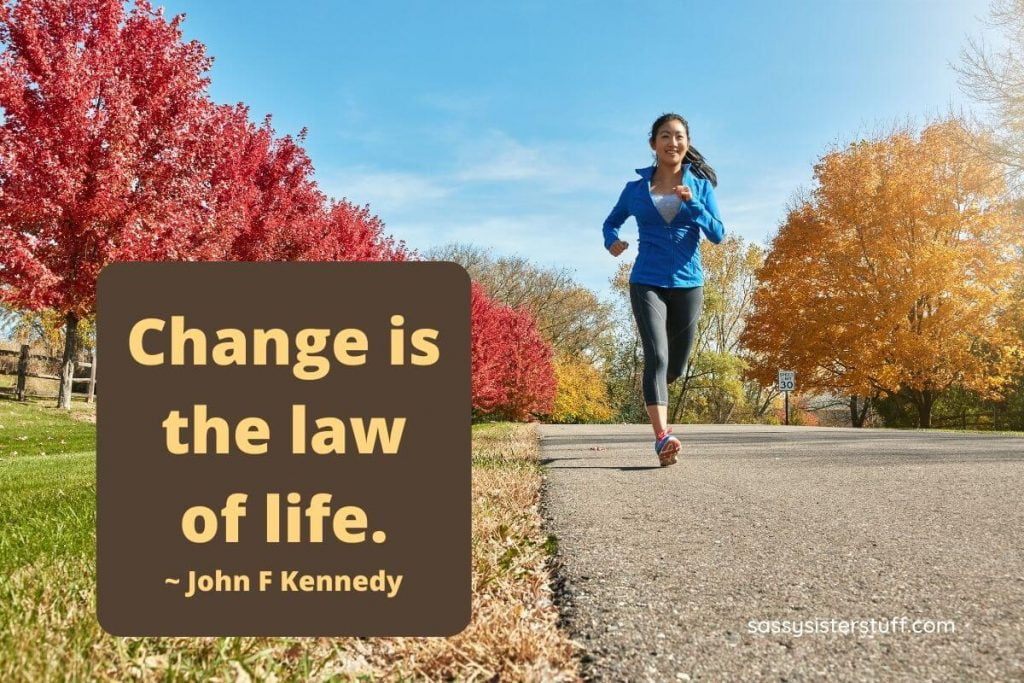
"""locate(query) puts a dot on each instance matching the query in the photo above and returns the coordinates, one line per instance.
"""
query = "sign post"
(786, 384)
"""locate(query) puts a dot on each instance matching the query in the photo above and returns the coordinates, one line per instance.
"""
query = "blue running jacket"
(668, 255)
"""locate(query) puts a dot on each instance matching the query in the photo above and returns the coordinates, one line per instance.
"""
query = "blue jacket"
(668, 255)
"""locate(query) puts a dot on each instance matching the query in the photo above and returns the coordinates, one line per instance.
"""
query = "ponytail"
(700, 166)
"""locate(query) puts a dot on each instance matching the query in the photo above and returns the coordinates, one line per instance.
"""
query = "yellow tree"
(582, 395)
(895, 274)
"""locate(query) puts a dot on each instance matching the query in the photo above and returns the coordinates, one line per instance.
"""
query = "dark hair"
(699, 164)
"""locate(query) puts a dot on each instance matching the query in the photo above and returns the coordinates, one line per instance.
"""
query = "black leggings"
(667, 320)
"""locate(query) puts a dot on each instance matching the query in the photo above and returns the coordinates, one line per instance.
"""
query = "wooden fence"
(23, 374)
(993, 419)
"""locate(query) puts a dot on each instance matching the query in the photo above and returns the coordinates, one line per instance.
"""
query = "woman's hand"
(618, 247)
(684, 193)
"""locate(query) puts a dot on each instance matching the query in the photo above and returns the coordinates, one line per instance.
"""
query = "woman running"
(673, 203)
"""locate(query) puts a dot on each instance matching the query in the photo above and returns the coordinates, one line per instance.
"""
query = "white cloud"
(495, 156)
(385, 192)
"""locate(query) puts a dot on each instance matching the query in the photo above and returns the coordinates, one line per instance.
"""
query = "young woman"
(673, 203)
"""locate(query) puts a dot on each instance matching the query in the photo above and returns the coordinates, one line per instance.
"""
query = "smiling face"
(670, 142)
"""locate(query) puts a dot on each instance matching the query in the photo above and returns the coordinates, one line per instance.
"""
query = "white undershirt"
(667, 204)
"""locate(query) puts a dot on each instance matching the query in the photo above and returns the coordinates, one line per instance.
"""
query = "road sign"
(787, 383)
(787, 380)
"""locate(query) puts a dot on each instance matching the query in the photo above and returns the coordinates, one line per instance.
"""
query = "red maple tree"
(265, 198)
(111, 150)
(513, 374)
(101, 149)
(352, 233)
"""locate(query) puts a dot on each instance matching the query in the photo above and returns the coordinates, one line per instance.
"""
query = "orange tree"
(894, 275)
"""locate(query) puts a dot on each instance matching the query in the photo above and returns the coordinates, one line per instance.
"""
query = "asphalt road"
(678, 573)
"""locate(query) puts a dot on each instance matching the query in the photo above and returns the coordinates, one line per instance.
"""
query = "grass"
(47, 508)
(38, 428)
(48, 627)
(993, 432)
(948, 430)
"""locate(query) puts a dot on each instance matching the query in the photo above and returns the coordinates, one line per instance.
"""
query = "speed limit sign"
(787, 380)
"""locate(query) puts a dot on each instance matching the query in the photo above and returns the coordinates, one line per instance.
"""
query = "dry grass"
(48, 629)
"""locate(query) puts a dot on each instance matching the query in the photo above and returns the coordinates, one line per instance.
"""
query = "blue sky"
(514, 125)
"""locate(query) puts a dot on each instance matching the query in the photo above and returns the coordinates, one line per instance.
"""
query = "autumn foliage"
(894, 277)
(100, 146)
(512, 374)
(111, 150)
(582, 395)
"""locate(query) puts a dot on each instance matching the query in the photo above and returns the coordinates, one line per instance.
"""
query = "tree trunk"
(763, 407)
(923, 400)
(857, 417)
(678, 409)
(925, 408)
(728, 413)
(68, 362)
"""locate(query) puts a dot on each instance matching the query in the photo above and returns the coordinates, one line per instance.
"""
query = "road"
(747, 557)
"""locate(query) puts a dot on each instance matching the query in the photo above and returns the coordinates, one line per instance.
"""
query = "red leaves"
(513, 374)
(352, 233)
(111, 150)
(101, 145)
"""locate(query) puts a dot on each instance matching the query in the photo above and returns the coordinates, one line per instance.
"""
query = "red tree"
(101, 149)
(528, 375)
(513, 375)
(266, 200)
(110, 150)
(487, 389)
(352, 233)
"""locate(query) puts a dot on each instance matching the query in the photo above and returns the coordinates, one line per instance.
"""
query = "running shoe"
(666, 446)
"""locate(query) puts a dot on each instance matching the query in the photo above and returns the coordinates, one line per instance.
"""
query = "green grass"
(37, 427)
(47, 537)
(47, 508)
(47, 484)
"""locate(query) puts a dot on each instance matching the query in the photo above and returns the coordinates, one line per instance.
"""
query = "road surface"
(753, 554)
